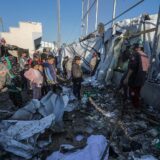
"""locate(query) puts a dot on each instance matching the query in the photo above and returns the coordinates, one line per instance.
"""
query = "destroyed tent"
(93, 151)
(126, 32)
(153, 83)
(50, 109)
(84, 49)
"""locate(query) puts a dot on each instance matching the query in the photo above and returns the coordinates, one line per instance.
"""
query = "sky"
(45, 11)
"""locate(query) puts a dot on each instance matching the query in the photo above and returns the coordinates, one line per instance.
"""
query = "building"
(27, 35)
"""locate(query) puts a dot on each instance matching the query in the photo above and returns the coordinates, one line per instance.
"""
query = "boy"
(77, 77)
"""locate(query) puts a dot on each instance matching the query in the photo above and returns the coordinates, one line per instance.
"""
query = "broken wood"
(104, 113)
(117, 124)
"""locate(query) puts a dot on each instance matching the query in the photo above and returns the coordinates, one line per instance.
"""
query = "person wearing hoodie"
(36, 79)
(77, 77)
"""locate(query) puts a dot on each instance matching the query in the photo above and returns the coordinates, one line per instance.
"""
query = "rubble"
(136, 135)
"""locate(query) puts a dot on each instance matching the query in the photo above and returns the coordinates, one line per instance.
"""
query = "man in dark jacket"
(77, 77)
(137, 70)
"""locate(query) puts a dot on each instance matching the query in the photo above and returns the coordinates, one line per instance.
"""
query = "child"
(77, 77)
(50, 73)
(36, 79)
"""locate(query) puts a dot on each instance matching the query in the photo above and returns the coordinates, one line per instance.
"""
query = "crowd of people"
(40, 74)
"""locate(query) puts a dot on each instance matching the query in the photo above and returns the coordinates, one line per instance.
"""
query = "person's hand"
(125, 82)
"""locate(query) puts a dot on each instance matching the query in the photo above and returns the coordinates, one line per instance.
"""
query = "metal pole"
(1, 21)
(82, 25)
(121, 14)
(114, 11)
(87, 17)
(96, 22)
(59, 25)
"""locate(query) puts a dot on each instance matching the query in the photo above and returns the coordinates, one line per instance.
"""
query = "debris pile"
(126, 133)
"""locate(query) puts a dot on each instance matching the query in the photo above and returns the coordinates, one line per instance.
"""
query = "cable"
(89, 9)
(121, 14)
(124, 12)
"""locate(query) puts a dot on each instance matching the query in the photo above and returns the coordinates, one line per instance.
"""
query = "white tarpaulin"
(51, 103)
(94, 150)
(146, 157)
(13, 132)
(110, 46)
(19, 134)
(21, 130)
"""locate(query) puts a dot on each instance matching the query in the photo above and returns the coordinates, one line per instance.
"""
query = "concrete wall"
(24, 35)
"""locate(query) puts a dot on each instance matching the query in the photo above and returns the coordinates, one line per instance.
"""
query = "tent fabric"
(94, 150)
(111, 43)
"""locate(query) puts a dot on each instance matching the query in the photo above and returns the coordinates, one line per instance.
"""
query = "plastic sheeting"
(146, 157)
(19, 134)
(94, 150)
(83, 49)
(110, 45)
(50, 104)
(15, 131)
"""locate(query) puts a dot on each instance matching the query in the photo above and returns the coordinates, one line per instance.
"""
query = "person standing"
(137, 71)
(50, 72)
(77, 77)
(3, 75)
(36, 79)
(67, 67)
(23, 61)
(12, 82)
(65, 60)
(94, 63)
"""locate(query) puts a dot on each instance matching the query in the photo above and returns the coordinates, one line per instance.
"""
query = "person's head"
(36, 58)
(77, 60)
(128, 47)
(40, 68)
(24, 55)
(43, 57)
(94, 54)
(138, 47)
(2, 41)
(35, 65)
(45, 51)
(3, 60)
(51, 59)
